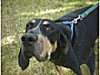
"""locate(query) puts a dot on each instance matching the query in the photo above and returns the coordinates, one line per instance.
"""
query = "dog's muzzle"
(36, 45)
(29, 38)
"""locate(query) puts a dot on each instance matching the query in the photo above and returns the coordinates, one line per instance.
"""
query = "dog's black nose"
(29, 38)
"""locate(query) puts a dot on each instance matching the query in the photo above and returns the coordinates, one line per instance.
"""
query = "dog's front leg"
(72, 62)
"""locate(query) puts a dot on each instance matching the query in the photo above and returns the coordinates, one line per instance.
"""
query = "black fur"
(81, 52)
(69, 53)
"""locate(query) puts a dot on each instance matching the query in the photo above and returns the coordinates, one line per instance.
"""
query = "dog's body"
(86, 32)
(52, 40)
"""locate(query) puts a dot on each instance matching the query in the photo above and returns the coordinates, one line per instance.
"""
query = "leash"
(86, 13)
(80, 17)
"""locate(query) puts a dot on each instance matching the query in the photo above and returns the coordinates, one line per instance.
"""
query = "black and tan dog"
(47, 39)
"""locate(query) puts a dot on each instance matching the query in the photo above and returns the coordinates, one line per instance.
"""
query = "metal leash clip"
(77, 19)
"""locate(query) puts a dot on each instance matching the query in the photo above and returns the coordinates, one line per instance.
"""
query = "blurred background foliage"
(15, 15)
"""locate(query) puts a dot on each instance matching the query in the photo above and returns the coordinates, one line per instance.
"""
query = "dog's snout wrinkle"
(29, 38)
(33, 38)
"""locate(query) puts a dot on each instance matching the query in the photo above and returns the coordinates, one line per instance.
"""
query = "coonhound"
(54, 40)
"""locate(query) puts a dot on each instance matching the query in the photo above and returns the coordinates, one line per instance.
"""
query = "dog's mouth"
(40, 49)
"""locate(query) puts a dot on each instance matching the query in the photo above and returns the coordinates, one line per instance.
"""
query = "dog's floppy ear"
(23, 60)
(65, 40)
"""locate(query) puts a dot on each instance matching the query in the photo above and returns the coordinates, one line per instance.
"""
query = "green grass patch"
(15, 15)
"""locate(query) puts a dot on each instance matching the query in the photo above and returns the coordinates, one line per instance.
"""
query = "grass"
(15, 15)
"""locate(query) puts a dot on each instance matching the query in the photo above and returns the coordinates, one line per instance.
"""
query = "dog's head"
(40, 40)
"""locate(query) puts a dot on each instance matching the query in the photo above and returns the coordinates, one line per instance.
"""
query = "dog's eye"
(47, 27)
(30, 25)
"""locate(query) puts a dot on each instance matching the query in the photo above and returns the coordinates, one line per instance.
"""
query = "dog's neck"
(63, 44)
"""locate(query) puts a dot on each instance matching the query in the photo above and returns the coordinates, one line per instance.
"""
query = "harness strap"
(71, 26)
(85, 14)
(80, 17)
